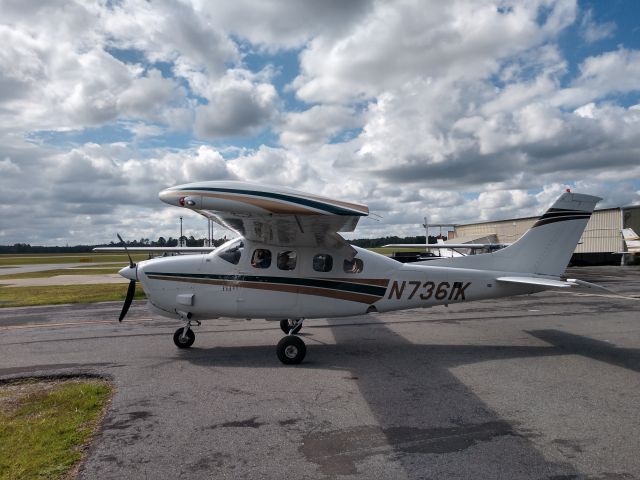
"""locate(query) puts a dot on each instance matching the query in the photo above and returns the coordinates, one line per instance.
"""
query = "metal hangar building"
(601, 242)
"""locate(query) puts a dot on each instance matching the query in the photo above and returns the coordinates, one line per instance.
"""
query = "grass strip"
(58, 294)
(44, 425)
(61, 271)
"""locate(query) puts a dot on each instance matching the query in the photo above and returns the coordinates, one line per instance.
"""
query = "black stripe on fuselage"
(345, 286)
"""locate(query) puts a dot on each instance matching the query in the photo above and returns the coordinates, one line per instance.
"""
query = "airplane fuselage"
(275, 282)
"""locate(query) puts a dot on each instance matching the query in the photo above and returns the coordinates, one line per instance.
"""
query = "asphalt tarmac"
(543, 387)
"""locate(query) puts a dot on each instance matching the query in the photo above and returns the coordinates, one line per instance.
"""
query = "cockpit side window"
(353, 266)
(261, 258)
(233, 253)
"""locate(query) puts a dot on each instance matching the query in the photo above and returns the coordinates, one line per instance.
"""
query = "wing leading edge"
(272, 215)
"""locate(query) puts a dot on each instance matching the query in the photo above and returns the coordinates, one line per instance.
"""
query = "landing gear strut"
(290, 326)
(184, 336)
(291, 349)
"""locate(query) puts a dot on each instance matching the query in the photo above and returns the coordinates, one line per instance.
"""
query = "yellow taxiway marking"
(67, 324)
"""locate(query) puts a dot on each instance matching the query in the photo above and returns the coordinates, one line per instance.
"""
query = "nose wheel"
(184, 337)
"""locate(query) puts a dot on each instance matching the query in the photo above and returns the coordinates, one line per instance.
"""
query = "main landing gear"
(291, 349)
(290, 326)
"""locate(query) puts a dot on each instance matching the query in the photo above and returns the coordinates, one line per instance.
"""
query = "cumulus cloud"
(317, 125)
(238, 106)
(592, 31)
(464, 110)
(400, 43)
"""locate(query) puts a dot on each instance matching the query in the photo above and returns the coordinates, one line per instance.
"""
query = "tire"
(291, 350)
(285, 326)
(184, 342)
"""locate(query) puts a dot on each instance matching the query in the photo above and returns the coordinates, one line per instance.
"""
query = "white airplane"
(290, 263)
(450, 249)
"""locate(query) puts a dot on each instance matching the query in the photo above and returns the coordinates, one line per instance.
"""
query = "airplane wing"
(471, 246)
(156, 249)
(272, 215)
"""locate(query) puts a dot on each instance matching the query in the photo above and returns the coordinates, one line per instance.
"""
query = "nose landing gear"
(184, 336)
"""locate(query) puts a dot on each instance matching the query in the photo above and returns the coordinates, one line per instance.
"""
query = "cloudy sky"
(459, 110)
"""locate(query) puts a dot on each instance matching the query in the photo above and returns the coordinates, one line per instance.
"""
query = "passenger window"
(261, 258)
(287, 260)
(322, 262)
(233, 253)
(353, 266)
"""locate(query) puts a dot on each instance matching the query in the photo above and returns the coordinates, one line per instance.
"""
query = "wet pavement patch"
(336, 452)
(249, 423)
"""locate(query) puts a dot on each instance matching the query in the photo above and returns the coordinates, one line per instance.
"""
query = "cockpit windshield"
(232, 253)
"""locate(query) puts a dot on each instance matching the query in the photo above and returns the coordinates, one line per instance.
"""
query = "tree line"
(190, 241)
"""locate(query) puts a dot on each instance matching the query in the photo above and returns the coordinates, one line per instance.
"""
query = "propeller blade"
(127, 301)
(131, 264)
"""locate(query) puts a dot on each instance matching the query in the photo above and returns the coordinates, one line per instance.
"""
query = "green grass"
(58, 294)
(44, 425)
(39, 259)
(62, 271)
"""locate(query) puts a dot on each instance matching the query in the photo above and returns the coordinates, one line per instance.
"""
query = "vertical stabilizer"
(546, 248)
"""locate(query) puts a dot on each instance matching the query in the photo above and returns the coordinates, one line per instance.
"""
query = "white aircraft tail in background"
(631, 240)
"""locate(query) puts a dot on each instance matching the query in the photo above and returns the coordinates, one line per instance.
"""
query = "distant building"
(600, 244)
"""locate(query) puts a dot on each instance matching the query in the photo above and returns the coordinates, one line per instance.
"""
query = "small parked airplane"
(451, 249)
(631, 240)
(290, 263)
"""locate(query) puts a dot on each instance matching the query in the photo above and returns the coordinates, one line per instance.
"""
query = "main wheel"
(291, 350)
(186, 341)
(285, 326)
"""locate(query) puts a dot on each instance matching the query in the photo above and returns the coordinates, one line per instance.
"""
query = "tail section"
(631, 240)
(546, 248)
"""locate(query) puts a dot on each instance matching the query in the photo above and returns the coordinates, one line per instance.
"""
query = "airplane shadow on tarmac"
(419, 405)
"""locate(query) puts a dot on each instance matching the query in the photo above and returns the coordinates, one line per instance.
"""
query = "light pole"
(426, 231)
(180, 240)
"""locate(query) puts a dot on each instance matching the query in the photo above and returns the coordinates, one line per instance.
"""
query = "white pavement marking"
(64, 280)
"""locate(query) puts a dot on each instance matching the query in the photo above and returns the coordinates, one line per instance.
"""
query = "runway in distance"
(289, 263)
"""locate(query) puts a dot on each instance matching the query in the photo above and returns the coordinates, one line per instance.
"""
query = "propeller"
(131, 264)
(126, 272)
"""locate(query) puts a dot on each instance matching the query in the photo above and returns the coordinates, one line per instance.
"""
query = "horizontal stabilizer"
(573, 283)
(582, 285)
(539, 282)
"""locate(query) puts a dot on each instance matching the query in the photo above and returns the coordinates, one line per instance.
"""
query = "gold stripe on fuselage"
(277, 287)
